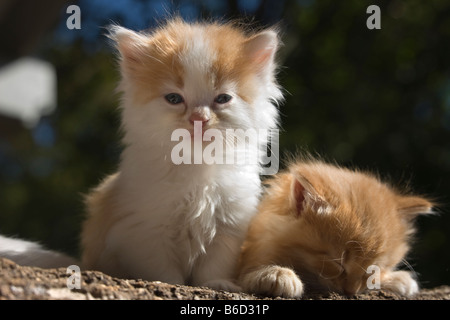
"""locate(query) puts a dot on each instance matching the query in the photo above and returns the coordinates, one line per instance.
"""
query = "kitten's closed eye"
(329, 225)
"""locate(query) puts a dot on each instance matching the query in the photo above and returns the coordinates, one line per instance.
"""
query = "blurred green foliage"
(378, 100)
(41, 194)
(373, 99)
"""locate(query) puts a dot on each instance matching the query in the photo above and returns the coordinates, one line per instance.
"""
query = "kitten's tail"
(28, 253)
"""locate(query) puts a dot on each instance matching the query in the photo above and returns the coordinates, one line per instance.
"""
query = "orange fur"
(102, 202)
(154, 58)
(349, 220)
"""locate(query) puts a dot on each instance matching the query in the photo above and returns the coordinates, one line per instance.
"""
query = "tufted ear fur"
(130, 44)
(305, 197)
(412, 206)
(261, 49)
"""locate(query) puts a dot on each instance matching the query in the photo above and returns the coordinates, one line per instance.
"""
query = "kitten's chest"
(195, 221)
(191, 208)
(201, 208)
(209, 209)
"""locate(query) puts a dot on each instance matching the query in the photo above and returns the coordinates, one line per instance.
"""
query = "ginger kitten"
(321, 227)
(182, 223)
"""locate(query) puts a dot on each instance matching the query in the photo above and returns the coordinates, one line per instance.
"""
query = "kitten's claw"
(400, 282)
(274, 281)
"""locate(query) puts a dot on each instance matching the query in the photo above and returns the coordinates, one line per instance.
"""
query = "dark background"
(373, 99)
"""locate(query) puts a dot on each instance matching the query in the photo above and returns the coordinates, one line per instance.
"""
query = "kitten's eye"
(222, 98)
(174, 98)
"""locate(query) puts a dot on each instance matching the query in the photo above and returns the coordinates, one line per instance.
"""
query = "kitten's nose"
(198, 116)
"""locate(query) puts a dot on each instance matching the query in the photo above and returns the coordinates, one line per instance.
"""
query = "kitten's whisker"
(336, 259)
(332, 277)
(342, 257)
(362, 268)
(408, 265)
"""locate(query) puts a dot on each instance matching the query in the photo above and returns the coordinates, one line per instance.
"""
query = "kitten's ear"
(297, 195)
(305, 196)
(412, 206)
(131, 45)
(261, 49)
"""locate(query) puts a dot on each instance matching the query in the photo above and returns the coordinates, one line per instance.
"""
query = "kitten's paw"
(223, 284)
(274, 281)
(400, 282)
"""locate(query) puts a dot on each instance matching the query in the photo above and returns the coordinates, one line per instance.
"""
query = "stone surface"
(29, 283)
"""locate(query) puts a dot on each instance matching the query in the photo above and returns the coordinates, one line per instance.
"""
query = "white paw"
(400, 282)
(222, 284)
(274, 281)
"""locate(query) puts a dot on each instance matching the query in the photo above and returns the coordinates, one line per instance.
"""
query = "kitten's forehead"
(197, 63)
(199, 59)
(362, 206)
(203, 56)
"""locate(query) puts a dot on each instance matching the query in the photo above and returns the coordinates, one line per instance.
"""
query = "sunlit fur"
(320, 227)
(182, 223)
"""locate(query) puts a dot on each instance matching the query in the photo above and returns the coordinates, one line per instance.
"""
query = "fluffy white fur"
(28, 253)
(182, 224)
(153, 219)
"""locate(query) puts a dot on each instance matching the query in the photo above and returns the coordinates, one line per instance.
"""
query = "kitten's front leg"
(217, 268)
(400, 282)
(274, 281)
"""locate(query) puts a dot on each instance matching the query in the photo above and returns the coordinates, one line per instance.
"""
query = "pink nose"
(198, 117)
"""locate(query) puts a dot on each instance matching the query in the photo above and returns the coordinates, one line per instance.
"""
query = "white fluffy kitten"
(184, 223)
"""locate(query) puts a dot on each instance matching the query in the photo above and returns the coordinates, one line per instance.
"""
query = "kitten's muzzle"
(199, 115)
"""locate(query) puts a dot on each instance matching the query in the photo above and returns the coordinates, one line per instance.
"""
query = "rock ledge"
(30, 283)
